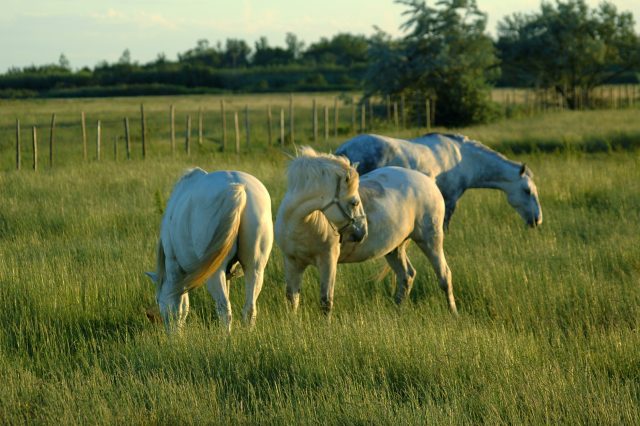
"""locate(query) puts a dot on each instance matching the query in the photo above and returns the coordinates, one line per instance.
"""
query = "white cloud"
(137, 18)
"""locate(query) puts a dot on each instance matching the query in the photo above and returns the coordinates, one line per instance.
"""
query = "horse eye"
(355, 203)
(527, 191)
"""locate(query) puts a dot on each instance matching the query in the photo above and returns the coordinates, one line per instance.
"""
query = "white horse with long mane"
(400, 205)
(455, 162)
(212, 221)
(320, 209)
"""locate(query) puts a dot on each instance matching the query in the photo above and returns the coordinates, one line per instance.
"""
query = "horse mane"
(309, 170)
(464, 142)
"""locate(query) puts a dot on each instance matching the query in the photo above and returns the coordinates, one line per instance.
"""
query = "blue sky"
(36, 32)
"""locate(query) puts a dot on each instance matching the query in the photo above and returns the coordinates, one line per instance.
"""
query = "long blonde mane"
(311, 170)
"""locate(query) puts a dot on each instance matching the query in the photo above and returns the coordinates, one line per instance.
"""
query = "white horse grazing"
(212, 221)
(457, 164)
(400, 204)
(320, 208)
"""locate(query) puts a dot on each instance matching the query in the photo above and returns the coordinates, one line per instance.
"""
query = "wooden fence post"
(363, 123)
(315, 121)
(403, 112)
(98, 140)
(395, 114)
(172, 119)
(433, 111)
(34, 140)
(224, 125)
(353, 114)
(427, 113)
(18, 157)
(326, 123)
(388, 108)
(187, 137)
(281, 126)
(84, 137)
(127, 136)
(291, 119)
(200, 129)
(269, 125)
(237, 129)
(51, 137)
(143, 125)
(336, 116)
(370, 105)
(247, 128)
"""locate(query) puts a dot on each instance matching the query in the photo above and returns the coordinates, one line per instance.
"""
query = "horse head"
(522, 194)
(334, 182)
(344, 211)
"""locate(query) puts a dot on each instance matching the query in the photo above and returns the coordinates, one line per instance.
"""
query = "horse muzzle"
(358, 235)
(358, 230)
(535, 222)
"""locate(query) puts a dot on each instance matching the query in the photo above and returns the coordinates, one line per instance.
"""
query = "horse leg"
(449, 208)
(173, 302)
(293, 276)
(253, 279)
(400, 264)
(327, 268)
(219, 290)
(183, 310)
(433, 249)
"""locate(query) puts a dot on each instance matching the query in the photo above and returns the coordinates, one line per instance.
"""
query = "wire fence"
(239, 125)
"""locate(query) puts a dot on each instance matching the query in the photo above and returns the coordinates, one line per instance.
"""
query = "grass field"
(547, 332)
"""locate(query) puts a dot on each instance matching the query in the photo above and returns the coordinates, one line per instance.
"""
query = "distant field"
(549, 318)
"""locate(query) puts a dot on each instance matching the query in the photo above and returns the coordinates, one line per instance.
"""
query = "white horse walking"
(400, 205)
(212, 221)
(455, 162)
(320, 208)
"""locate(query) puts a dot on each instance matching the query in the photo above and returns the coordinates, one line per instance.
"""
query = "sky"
(37, 32)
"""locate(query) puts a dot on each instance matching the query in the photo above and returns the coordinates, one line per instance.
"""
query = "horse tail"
(223, 238)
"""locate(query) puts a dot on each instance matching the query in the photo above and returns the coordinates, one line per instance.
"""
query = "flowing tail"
(224, 236)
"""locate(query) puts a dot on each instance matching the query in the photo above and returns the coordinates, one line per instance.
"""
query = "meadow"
(548, 330)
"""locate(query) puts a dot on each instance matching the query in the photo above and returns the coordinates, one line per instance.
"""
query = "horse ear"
(523, 169)
(153, 276)
(355, 165)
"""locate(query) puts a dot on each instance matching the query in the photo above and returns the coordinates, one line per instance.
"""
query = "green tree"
(125, 58)
(294, 46)
(64, 62)
(266, 55)
(236, 53)
(445, 54)
(569, 47)
(342, 49)
(203, 54)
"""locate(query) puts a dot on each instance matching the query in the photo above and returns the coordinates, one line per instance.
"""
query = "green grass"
(547, 333)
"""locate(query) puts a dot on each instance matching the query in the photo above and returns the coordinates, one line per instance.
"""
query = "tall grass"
(547, 333)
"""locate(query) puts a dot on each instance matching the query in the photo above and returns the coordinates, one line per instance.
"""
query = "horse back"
(374, 151)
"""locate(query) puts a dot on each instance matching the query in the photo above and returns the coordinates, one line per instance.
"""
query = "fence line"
(384, 114)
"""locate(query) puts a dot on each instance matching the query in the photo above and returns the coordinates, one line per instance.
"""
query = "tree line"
(445, 54)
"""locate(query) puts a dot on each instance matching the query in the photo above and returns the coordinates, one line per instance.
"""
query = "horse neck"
(488, 169)
(302, 211)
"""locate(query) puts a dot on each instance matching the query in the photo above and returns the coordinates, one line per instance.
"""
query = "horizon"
(36, 33)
